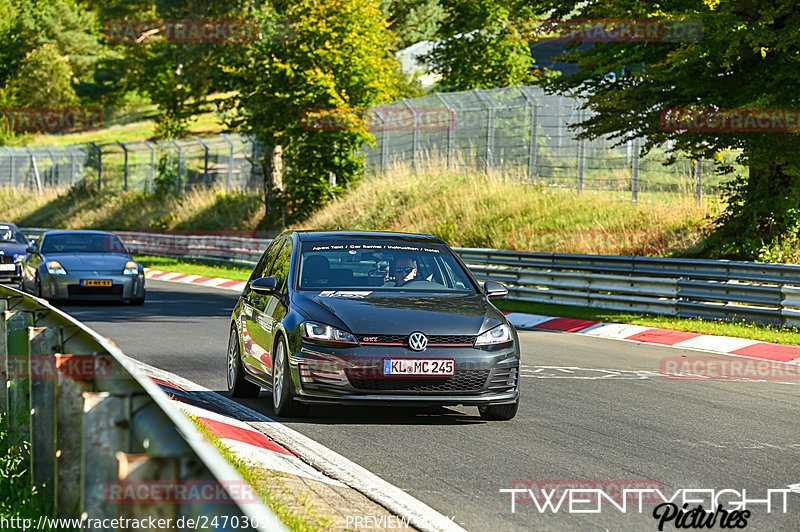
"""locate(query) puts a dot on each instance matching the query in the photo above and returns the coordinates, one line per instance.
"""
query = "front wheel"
(238, 386)
(499, 412)
(282, 389)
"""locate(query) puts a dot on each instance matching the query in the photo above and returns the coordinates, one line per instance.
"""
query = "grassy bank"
(476, 211)
(85, 207)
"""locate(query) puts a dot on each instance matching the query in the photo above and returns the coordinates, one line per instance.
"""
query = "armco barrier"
(100, 431)
(715, 289)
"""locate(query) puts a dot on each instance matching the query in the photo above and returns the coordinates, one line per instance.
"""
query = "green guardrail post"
(19, 374)
(105, 424)
(3, 358)
(44, 342)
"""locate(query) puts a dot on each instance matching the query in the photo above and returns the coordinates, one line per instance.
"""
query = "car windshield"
(82, 243)
(11, 234)
(380, 265)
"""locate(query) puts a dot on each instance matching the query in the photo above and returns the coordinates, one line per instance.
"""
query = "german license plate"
(95, 282)
(409, 366)
(7, 267)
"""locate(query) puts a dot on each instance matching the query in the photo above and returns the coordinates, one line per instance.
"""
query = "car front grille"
(465, 381)
(76, 290)
(433, 340)
(6, 259)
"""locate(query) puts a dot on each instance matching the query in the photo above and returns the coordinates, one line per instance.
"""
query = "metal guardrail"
(712, 289)
(99, 431)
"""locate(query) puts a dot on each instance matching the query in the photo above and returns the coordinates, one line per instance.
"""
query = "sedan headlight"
(55, 268)
(326, 333)
(131, 268)
(499, 335)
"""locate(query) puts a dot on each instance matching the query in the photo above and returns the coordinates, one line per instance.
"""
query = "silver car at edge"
(82, 265)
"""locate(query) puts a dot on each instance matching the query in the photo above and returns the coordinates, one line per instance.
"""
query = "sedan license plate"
(95, 282)
(7, 267)
(406, 366)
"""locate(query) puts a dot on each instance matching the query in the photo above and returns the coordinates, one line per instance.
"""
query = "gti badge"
(417, 341)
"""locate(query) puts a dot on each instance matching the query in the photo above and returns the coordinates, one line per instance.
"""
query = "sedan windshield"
(11, 234)
(381, 265)
(82, 243)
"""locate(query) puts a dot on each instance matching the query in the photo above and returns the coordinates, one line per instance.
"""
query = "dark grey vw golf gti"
(371, 318)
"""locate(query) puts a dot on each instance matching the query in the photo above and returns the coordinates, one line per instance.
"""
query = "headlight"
(499, 335)
(326, 333)
(131, 268)
(55, 268)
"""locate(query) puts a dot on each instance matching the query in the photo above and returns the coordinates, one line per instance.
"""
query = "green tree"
(44, 80)
(480, 44)
(747, 57)
(323, 55)
(413, 20)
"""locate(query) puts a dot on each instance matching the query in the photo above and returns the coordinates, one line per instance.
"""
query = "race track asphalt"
(592, 409)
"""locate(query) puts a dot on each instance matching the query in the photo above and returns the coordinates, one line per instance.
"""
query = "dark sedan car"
(86, 265)
(12, 252)
(371, 318)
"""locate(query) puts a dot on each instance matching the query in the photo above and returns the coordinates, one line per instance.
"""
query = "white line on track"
(317, 455)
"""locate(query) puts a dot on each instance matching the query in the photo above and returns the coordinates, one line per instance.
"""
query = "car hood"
(381, 313)
(89, 261)
(10, 248)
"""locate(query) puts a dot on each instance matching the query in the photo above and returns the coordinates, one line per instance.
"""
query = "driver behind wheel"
(405, 270)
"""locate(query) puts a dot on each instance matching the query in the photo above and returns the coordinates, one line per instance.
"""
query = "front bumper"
(355, 375)
(123, 287)
(11, 275)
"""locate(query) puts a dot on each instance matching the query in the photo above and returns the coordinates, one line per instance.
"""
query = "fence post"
(415, 137)
(180, 165)
(230, 163)
(44, 342)
(125, 168)
(698, 181)
(149, 185)
(99, 164)
(73, 166)
(581, 156)
(384, 140)
(12, 157)
(635, 172)
(54, 170)
(35, 169)
(489, 128)
(534, 138)
(205, 160)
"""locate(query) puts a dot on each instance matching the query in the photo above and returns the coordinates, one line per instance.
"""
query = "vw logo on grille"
(417, 341)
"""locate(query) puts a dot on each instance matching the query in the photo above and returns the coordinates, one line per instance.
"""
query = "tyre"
(238, 386)
(37, 286)
(282, 389)
(498, 412)
(138, 301)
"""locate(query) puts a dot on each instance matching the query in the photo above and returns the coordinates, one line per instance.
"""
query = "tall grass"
(475, 210)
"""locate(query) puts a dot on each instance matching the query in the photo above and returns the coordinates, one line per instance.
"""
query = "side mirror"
(30, 250)
(493, 289)
(264, 285)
